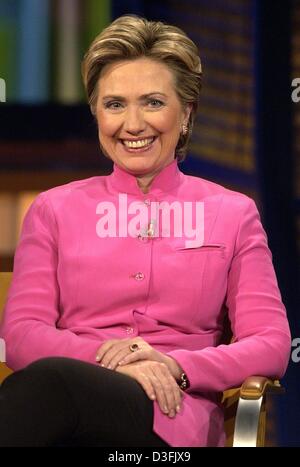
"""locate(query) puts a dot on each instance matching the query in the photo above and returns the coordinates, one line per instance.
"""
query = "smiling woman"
(135, 126)
(119, 337)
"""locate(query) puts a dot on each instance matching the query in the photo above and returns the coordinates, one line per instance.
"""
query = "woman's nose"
(134, 121)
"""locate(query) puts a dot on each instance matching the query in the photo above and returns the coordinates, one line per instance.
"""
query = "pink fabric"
(72, 290)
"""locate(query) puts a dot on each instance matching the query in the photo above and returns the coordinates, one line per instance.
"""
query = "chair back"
(5, 280)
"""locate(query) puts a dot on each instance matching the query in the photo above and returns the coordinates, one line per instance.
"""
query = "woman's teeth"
(138, 144)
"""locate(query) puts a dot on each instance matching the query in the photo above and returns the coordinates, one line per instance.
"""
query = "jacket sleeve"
(262, 341)
(32, 308)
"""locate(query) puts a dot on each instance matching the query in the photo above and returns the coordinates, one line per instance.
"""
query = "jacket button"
(139, 276)
(143, 238)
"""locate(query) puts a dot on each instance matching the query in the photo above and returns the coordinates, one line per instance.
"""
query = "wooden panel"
(6, 263)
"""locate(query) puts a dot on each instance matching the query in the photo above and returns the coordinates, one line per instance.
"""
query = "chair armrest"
(250, 420)
(255, 387)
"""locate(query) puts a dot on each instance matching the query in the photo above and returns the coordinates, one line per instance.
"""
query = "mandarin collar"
(166, 180)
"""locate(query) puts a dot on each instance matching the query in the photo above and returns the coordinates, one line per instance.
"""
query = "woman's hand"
(116, 352)
(158, 383)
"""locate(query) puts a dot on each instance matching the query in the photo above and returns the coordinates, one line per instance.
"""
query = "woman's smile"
(138, 146)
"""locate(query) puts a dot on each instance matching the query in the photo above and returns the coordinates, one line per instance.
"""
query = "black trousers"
(65, 402)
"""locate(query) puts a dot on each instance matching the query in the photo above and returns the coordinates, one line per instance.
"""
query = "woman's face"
(137, 102)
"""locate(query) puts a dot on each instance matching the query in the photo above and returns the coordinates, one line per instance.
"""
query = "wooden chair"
(245, 407)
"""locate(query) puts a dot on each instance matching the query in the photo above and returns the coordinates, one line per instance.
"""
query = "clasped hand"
(153, 370)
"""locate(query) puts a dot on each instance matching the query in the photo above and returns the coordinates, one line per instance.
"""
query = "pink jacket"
(72, 290)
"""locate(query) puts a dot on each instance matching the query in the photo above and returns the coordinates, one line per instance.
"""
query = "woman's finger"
(112, 351)
(147, 385)
(167, 389)
(112, 356)
(116, 353)
(174, 389)
(105, 348)
(119, 347)
(149, 381)
(157, 382)
(141, 376)
(140, 354)
(122, 354)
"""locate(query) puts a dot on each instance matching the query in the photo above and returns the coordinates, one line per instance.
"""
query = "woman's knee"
(68, 372)
(45, 371)
(38, 381)
(49, 363)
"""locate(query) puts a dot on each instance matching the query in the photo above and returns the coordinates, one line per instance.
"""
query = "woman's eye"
(112, 105)
(157, 102)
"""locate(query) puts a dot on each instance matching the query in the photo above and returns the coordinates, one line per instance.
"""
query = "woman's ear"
(187, 113)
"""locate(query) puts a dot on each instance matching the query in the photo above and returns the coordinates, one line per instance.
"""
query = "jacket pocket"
(206, 247)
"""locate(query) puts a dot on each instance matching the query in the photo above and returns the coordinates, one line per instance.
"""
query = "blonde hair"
(130, 37)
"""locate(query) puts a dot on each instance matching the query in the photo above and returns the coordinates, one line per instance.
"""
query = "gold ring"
(134, 347)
